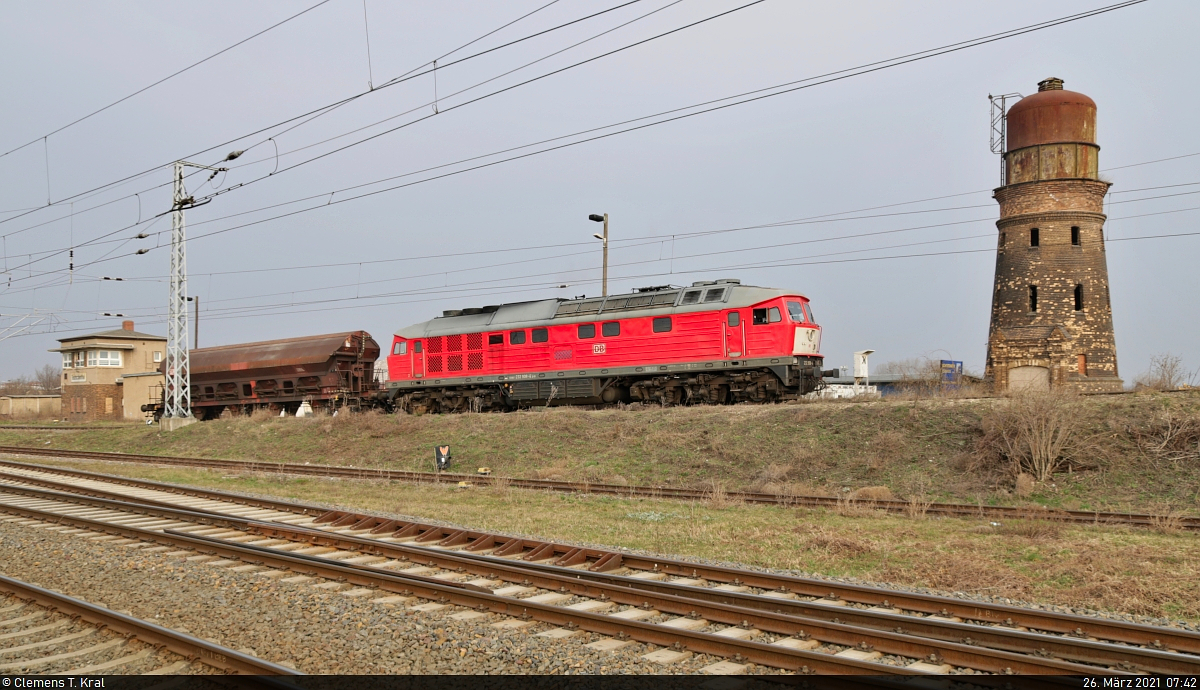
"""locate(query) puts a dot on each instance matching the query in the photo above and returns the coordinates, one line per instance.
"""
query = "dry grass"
(1036, 559)
(1137, 452)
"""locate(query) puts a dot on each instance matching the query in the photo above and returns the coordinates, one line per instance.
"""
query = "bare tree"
(1166, 373)
(49, 378)
(22, 385)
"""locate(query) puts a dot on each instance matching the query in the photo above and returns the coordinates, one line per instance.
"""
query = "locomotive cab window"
(587, 330)
(540, 335)
(496, 339)
(400, 348)
(662, 324)
(417, 346)
(733, 319)
(773, 315)
(796, 312)
(759, 317)
(516, 337)
(611, 329)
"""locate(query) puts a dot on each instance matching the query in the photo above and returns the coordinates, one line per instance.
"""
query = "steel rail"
(726, 607)
(598, 560)
(192, 648)
(655, 492)
(815, 616)
(448, 593)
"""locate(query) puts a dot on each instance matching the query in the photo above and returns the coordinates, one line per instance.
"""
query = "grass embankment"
(1126, 457)
(1134, 453)
(1108, 568)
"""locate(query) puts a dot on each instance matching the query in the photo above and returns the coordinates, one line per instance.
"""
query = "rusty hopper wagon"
(327, 371)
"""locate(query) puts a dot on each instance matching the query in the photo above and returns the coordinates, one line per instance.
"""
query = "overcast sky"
(516, 230)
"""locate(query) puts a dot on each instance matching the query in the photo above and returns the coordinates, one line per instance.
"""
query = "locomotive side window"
(808, 308)
(496, 339)
(759, 317)
(714, 295)
(773, 315)
(662, 324)
(796, 312)
(587, 330)
(540, 335)
(417, 346)
(611, 329)
(516, 337)
(691, 297)
(734, 319)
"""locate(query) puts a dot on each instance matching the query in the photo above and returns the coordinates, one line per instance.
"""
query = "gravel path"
(292, 623)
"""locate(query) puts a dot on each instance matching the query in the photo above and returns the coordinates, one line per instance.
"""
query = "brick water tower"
(1051, 323)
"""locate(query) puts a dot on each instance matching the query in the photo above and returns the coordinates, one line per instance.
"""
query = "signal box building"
(110, 375)
(1051, 324)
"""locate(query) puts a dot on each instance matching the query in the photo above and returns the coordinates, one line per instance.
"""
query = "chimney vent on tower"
(127, 325)
(1051, 84)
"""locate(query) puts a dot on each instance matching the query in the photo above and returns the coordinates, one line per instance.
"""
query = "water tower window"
(1075, 235)
(1001, 240)
(1078, 298)
(1033, 237)
(1032, 298)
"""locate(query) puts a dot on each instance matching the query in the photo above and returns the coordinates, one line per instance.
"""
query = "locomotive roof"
(659, 301)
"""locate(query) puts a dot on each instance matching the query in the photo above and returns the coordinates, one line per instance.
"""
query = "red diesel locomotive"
(714, 342)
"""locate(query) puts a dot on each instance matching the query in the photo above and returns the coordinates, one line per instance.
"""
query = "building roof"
(665, 300)
(116, 333)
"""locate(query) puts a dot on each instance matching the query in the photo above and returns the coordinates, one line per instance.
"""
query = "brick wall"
(92, 402)
(1056, 335)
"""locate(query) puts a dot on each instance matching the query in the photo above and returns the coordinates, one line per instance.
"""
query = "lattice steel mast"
(178, 390)
(177, 393)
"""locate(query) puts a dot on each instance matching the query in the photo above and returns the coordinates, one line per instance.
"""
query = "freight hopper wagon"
(327, 371)
(714, 342)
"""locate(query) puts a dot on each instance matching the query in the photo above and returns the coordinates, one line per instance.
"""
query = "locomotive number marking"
(599, 349)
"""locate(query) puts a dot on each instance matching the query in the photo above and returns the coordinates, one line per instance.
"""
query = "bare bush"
(1032, 528)
(1166, 373)
(1169, 436)
(1037, 432)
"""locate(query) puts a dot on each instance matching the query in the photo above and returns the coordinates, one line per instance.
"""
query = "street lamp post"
(603, 238)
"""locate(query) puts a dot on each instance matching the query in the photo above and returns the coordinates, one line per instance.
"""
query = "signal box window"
(662, 324)
(417, 346)
(540, 335)
(516, 337)
(496, 339)
(587, 330)
(733, 318)
(611, 329)
(796, 311)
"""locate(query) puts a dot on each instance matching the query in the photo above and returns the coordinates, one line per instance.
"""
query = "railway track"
(682, 607)
(655, 492)
(44, 632)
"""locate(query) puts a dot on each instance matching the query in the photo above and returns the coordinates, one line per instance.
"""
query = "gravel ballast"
(292, 623)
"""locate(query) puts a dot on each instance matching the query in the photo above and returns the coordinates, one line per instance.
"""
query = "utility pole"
(177, 392)
(603, 238)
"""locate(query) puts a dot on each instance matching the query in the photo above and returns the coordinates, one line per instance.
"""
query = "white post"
(178, 388)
